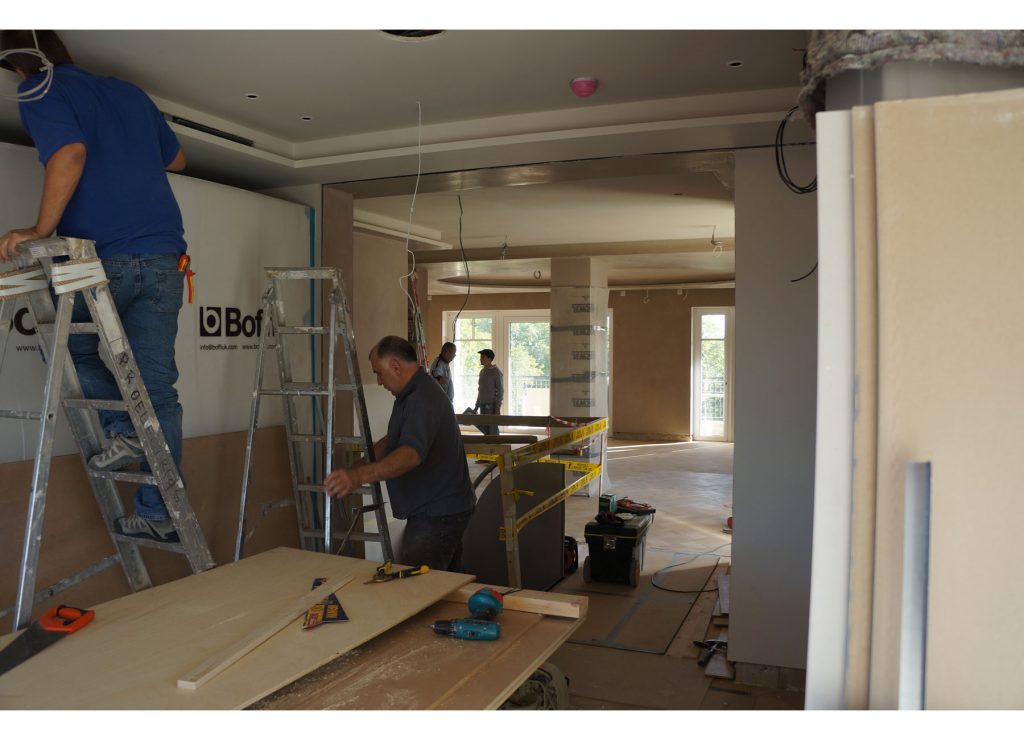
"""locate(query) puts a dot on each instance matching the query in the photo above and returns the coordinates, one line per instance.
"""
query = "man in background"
(490, 390)
(441, 369)
(105, 148)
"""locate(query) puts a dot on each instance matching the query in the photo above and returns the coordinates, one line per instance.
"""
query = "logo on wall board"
(228, 321)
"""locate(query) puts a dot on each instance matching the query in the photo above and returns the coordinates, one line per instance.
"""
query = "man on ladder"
(105, 147)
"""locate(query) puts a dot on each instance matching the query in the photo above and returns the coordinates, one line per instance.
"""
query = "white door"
(712, 373)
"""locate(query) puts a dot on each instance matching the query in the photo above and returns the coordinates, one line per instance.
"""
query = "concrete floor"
(690, 485)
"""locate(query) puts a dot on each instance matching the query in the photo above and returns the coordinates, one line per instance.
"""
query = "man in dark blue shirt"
(421, 458)
(105, 148)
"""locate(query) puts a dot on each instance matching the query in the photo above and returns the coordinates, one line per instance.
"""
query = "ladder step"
(123, 476)
(296, 389)
(83, 328)
(340, 535)
(309, 487)
(93, 403)
(144, 542)
(301, 329)
(27, 415)
(346, 387)
(303, 273)
(354, 441)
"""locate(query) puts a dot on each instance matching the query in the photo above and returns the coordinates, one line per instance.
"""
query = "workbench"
(384, 657)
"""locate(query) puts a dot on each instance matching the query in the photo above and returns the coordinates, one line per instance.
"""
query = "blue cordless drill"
(484, 606)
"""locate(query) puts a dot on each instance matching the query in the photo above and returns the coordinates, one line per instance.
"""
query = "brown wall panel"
(73, 532)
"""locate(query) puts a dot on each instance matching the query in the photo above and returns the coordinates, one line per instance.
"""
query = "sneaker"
(161, 530)
(122, 452)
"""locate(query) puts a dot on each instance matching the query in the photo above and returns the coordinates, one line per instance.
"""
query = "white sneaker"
(161, 530)
(122, 452)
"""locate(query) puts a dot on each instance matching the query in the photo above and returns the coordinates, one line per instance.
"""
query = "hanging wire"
(43, 87)
(412, 205)
(780, 159)
(469, 282)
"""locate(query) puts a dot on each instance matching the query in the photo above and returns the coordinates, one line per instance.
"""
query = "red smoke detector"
(584, 87)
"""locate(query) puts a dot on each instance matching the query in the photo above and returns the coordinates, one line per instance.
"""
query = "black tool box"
(616, 551)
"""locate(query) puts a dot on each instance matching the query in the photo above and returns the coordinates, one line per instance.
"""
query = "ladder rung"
(302, 273)
(92, 403)
(27, 415)
(83, 328)
(309, 487)
(340, 535)
(123, 476)
(296, 389)
(356, 442)
(144, 542)
(301, 329)
(345, 387)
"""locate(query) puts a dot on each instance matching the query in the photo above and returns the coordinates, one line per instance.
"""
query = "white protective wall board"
(776, 368)
(833, 469)
(232, 234)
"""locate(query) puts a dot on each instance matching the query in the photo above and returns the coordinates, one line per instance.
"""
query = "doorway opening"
(711, 372)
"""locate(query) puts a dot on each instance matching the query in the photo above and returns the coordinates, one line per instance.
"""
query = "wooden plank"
(137, 646)
(217, 663)
(548, 603)
(719, 666)
(723, 593)
(695, 627)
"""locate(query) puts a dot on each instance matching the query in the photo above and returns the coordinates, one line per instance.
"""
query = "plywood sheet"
(132, 654)
(410, 667)
(951, 349)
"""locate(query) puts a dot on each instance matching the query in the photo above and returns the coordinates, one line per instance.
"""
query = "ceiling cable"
(469, 283)
(46, 67)
(780, 159)
(412, 205)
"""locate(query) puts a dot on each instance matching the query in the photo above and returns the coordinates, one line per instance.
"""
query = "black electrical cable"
(469, 282)
(780, 159)
(804, 277)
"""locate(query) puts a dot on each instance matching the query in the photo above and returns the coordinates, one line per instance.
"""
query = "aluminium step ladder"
(310, 457)
(83, 273)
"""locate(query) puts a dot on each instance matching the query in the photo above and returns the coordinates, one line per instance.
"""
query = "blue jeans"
(147, 292)
(435, 541)
(488, 408)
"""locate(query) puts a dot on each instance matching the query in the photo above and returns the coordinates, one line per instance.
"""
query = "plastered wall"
(776, 365)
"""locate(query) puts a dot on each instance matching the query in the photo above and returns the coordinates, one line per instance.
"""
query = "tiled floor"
(690, 485)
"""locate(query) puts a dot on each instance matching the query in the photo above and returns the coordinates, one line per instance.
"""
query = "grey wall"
(776, 369)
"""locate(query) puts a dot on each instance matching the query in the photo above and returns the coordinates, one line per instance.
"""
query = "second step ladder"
(311, 427)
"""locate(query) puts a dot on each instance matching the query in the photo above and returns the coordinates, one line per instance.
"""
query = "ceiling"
(468, 102)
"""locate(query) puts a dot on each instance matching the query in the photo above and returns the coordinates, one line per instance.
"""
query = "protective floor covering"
(644, 619)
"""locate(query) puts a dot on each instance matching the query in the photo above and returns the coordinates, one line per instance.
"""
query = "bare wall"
(650, 353)
(776, 387)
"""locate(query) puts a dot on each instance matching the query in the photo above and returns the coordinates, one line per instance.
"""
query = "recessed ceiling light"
(252, 96)
(736, 63)
(306, 118)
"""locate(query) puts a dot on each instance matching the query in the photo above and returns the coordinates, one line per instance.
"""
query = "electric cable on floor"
(677, 565)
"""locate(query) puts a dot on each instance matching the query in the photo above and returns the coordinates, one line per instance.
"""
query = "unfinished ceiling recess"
(413, 35)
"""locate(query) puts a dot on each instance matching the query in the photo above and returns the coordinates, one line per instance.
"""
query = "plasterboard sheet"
(951, 349)
(137, 647)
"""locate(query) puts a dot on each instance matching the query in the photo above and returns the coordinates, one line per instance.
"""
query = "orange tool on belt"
(183, 266)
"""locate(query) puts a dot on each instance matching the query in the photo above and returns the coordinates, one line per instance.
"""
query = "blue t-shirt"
(123, 201)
